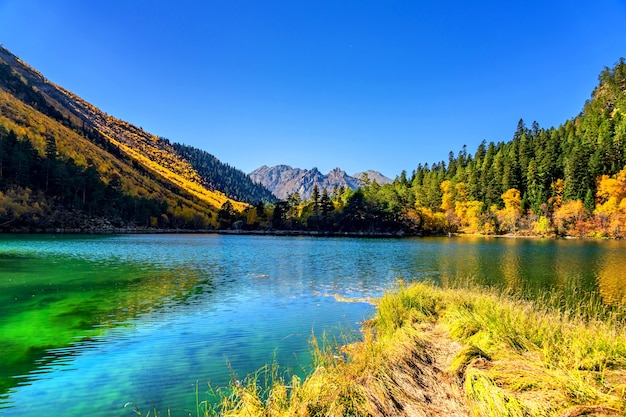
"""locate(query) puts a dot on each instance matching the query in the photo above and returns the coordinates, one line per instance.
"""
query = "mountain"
(217, 175)
(118, 157)
(283, 180)
(374, 176)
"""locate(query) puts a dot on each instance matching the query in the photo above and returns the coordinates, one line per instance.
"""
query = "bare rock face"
(283, 180)
(373, 176)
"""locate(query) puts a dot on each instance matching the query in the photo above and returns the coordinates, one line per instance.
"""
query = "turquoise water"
(92, 323)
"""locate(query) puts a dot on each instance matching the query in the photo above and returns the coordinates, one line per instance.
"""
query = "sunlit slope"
(149, 150)
(26, 121)
(147, 165)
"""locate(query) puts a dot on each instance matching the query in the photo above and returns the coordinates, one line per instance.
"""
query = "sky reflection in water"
(93, 322)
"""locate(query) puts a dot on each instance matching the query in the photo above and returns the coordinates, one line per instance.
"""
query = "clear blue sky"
(380, 85)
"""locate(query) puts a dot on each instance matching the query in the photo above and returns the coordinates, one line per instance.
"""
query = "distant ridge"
(372, 176)
(217, 175)
(283, 180)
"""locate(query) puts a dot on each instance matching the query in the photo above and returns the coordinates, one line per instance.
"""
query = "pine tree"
(534, 193)
(326, 207)
(315, 198)
(51, 148)
(577, 180)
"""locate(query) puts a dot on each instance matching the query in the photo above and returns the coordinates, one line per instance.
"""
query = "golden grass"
(456, 352)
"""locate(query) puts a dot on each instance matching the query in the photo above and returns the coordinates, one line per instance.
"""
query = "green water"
(50, 301)
(91, 323)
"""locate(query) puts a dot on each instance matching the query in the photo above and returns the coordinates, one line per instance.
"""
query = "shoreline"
(129, 230)
(432, 351)
(292, 233)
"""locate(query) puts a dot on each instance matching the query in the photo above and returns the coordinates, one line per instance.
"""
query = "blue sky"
(380, 85)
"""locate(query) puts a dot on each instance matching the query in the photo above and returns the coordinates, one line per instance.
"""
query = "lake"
(89, 324)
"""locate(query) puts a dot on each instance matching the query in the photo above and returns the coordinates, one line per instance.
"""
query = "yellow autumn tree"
(448, 198)
(541, 226)
(432, 222)
(461, 192)
(558, 188)
(510, 215)
(447, 195)
(611, 204)
(569, 218)
(469, 213)
(251, 216)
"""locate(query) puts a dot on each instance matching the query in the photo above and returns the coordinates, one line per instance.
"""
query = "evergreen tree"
(326, 205)
(315, 198)
(577, 180)
(278, 215)
(326, 208)
(260, 209)
(535, 192)
(227, 215)
(51, 148)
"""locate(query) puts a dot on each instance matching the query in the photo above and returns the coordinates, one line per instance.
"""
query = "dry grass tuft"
(457, 352)
(587, 410)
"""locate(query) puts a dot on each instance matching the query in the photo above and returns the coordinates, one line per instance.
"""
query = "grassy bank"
(432, 351)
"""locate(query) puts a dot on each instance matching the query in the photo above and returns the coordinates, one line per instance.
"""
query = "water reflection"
(611, 274)
(90, 323)
(528, 266)
(50, 298)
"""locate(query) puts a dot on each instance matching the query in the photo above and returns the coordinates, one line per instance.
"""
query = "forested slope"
(138, 165)
(216, 175)
(554, 180)
(64, 162)
(568, 180)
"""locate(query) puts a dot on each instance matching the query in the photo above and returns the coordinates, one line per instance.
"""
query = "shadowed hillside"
(217, 175)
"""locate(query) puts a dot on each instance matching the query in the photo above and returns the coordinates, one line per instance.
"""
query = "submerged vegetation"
(459, 352)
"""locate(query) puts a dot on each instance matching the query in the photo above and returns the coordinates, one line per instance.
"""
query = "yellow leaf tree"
(447, 195)
(569, 218)
(611, 204)
(510, 215)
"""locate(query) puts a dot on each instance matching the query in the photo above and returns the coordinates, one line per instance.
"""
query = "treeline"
(568, 180)
(39, 192)
(342, 211)
(218, 176)
(563, 181)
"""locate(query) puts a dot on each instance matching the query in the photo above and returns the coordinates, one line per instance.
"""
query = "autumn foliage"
(62, 159)
(568, 180)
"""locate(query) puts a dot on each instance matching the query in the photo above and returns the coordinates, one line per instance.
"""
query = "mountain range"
(66, 164)
(283, 180)
(63, 160)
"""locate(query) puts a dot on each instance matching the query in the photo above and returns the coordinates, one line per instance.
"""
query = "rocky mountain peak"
(283, 180)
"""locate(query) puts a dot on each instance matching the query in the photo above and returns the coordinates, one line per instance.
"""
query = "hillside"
(64, 163)
(566, 180)
(217, 175)
(283, 180)
(138, 163)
